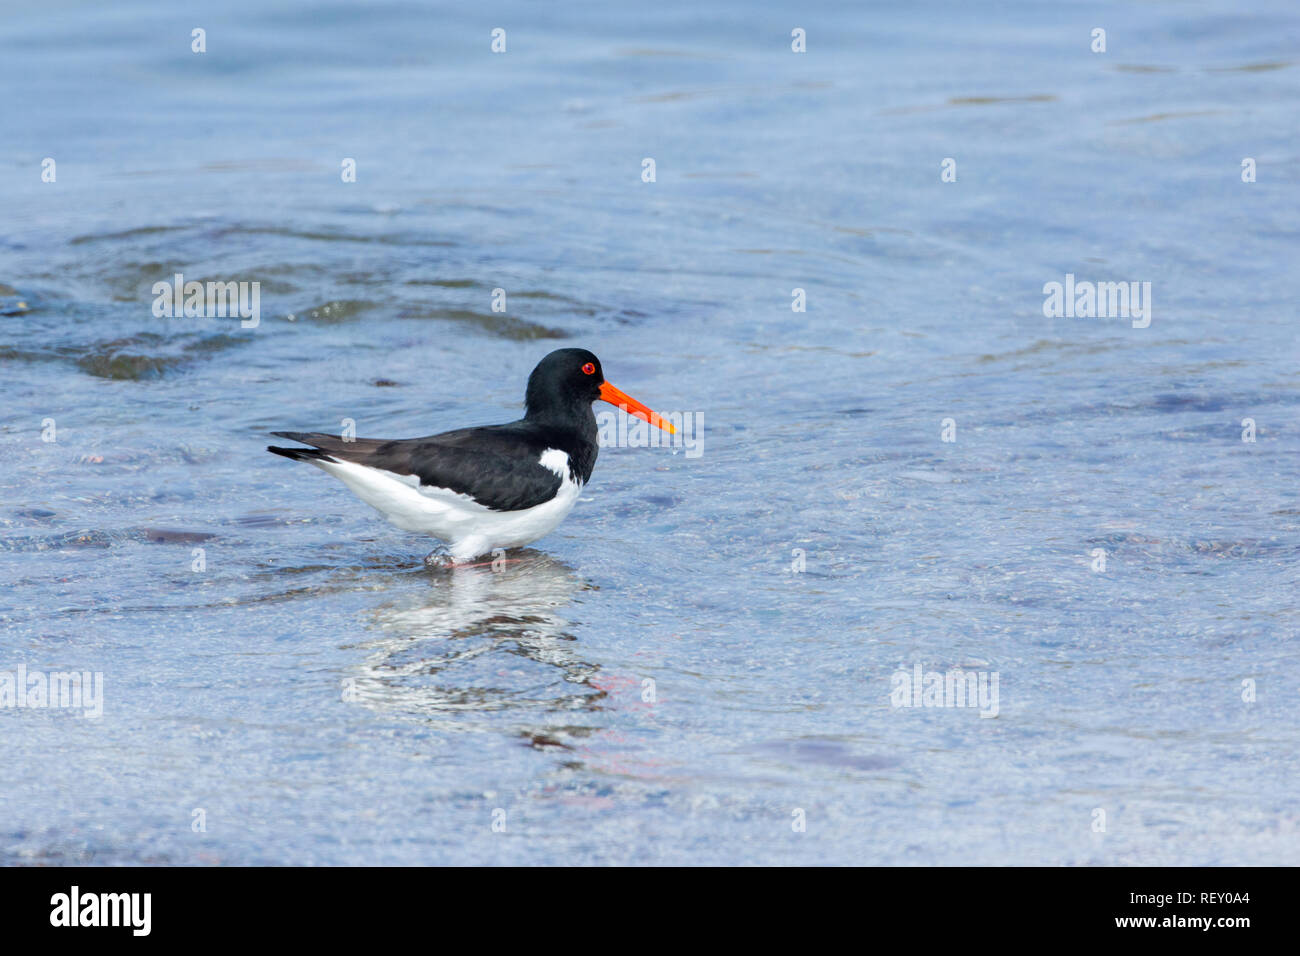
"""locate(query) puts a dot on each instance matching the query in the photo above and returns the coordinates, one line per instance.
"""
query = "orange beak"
(608, 393)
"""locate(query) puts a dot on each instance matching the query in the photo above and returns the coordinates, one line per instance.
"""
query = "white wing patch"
(557, 461)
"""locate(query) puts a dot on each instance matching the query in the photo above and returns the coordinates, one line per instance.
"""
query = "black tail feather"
(327, 447)
(305, 437)
(299, 454)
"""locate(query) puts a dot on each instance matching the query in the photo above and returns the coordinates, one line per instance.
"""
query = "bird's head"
(573, 377)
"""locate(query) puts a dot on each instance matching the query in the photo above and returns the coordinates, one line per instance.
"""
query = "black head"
(566, 382)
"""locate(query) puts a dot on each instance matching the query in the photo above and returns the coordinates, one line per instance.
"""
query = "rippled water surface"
(322, 697)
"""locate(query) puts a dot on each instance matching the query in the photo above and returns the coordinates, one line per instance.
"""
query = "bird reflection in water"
(479, 639)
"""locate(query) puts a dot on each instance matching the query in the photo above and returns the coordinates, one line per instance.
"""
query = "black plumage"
(496, 465)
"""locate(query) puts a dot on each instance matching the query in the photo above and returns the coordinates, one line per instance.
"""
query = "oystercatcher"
(480, 489)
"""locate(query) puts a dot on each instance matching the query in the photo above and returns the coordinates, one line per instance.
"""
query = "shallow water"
(323, 698)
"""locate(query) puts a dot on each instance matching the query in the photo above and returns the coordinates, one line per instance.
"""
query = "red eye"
(589, 369)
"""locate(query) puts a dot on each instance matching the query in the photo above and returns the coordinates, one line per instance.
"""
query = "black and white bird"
(496, 486)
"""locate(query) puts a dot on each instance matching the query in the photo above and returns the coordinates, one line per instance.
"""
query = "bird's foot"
(494, 563)
(439, 557)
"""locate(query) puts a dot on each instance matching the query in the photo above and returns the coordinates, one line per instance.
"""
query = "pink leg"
(485, 564)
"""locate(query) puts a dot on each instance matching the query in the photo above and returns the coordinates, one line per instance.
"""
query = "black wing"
(497, 466)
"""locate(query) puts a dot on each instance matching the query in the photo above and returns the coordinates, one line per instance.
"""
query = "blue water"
(322, 698)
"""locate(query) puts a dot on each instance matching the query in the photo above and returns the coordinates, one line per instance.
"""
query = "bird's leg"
(441, 557)
(495, 563)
